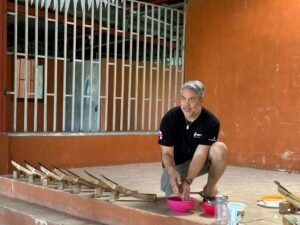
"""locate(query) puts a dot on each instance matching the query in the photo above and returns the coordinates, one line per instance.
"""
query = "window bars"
(93, 65)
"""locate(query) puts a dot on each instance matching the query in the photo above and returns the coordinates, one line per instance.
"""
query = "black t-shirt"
(173, 132)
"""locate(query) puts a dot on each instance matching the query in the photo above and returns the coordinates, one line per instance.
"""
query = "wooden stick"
(68, 179)
(293, 202)
(63, 175)
(34, 170)
(20, 168)
(294, 199)
(127, 192)
(97, 181)
(113, 183)
(81, 180)
(49, 173)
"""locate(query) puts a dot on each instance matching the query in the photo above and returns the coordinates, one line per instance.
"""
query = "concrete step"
(18, 212)
(98, 210)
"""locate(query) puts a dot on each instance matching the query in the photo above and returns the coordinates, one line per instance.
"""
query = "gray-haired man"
(188, 138)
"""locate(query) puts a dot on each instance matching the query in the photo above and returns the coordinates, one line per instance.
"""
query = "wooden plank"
(63, 175)
(67, 178)
(49, 173)
(97, 181)
(294, 199)
(34, 170)
(20, 167)
(128, 192)
(80, 180)
(289, 195)
(293, 202)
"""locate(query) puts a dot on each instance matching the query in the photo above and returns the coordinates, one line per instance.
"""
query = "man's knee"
(218, 151)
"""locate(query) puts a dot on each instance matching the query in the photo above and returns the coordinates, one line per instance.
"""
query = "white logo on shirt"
(212, 139)
(160, 135)
(196, 135)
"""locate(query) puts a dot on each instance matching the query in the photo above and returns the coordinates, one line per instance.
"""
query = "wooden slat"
(80, 180)
(97, 181)
(20, 167)
(63, 175)
(289, 196)
(49, 173)
(128, 192)
(34, 170)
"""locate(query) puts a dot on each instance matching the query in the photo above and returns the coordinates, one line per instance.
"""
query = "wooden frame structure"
(66, 180)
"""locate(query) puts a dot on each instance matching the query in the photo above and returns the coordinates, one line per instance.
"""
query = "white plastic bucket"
(236, 212)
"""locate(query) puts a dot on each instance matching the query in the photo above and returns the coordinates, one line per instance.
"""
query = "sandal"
(205, 197)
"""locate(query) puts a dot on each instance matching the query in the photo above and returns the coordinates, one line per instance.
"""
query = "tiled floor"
(240, 184)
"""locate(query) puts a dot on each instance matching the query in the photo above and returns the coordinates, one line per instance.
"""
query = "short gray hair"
(195, 85)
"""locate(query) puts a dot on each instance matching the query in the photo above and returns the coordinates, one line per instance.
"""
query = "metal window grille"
(93, 65)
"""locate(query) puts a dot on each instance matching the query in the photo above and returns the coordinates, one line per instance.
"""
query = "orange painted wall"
(81, 151)
(4, 149)
(247, 53)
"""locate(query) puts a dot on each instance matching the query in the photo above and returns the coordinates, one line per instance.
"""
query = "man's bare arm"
(195, 167)
(169, 164)
(198, 161)
(168, 157)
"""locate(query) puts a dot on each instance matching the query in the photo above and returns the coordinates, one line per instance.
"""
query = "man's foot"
(213, 192)
(206, 197)
(210, 196)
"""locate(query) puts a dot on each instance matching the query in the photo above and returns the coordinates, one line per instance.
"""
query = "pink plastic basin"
(177, 204)
(208, 207)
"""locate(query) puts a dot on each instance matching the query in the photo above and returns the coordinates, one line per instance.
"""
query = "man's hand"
(186, 189)
(175, 181)
(169, 163)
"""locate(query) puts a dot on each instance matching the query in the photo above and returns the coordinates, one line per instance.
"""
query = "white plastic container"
(236, 211)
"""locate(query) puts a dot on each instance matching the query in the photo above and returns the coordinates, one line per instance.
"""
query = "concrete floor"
(240, 184)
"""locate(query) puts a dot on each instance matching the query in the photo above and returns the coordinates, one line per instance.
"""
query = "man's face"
(190, 103)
